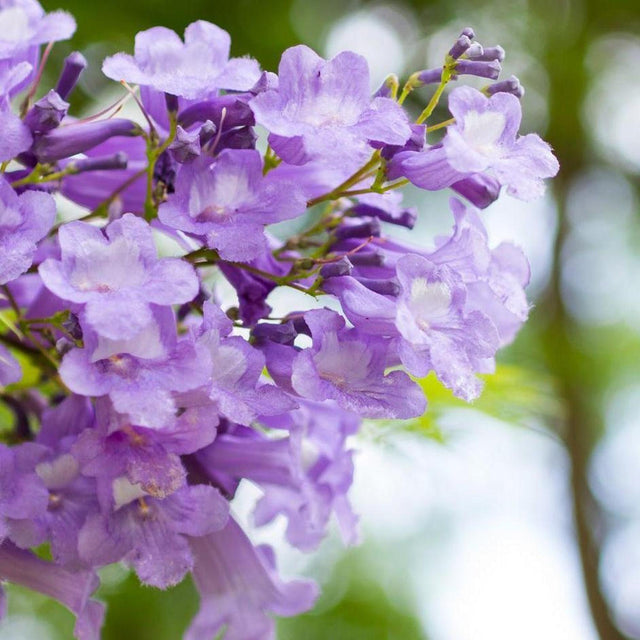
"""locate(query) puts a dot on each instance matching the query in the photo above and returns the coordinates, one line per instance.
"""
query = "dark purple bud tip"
(479, 68)
(341, 267)
(459, 47)
(364, 229)
(367, 259)
(47, 113)
(284, 333)
(430, 76)
(207, 132)
(383, 287)
(481, 190)
(72, 326)
(389, 88)
(173, 104)
(510, 85)
(186, 145)
(239, 138)
(74, 64)
(104, 163)
(469, 32)
(488, 53)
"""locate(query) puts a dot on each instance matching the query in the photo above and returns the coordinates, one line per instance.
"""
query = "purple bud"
(488, 53)
(459, 47)
(388, 88)
(364, 229)
(341, 267)
(172, 102)
(383, 287)
(430, 76)
(480, 189)
(232, 111)
(406, 218)
(480, 68)
(47, 113)
(284, 333)
(72, 326)
(165, 170)
(101, 163)
(474, 51)
(469, 32)
(207, 132)
(185, 146)
(510, 85)
(78, 137)
(240, 138)
(367, 259)
(74, 65)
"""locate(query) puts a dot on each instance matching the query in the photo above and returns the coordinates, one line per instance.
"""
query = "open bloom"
(483, 139)
(191, 69)
(116, 275)
(324, 107)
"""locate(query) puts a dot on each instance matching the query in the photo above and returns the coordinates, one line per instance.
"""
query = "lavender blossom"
(348, 367)
(483, 138)
(193, 69)
(238, 587)
(29, 26)
(236, 367)
(16, 136)
(151, 533)
(116, 270)
(141, 374)
(24, 220)
(22, 494)
(228, 202)
(325, 108)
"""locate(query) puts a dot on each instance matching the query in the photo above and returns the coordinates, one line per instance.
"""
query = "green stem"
(435, 98)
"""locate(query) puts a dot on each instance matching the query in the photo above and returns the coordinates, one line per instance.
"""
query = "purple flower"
(25, 27)
(16, 136)
(494, 278)
(229, 201)
(483, 138)
(238, 587)
(324, 108)
(26, 24)
(141, 374)
(193, 69)
(147, 458)
(323, 473)
(236, 368)
(116, 275)
(348, 366)
(150, 533)
(24, 220)
(22, 494)
(436, 332)
(72, 589)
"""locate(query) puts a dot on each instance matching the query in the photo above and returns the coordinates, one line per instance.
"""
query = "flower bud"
(74, 64)
(47, 113)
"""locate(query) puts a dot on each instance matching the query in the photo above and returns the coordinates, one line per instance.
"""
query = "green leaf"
(513, 394)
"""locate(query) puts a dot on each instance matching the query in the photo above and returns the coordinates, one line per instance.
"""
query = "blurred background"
(519, 518)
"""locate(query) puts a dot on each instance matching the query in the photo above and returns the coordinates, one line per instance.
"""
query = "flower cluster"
(150, 402)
